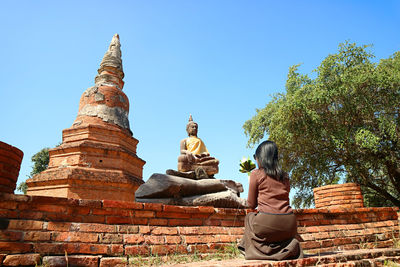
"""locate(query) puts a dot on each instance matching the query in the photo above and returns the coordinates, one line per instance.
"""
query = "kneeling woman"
(270, 233)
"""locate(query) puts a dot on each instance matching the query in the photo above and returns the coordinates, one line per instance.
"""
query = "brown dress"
(269, 234)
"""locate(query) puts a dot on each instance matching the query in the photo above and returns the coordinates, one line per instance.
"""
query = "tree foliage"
(40, 162)
(344, 123)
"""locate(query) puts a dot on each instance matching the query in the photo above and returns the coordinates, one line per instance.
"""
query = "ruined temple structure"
(338, 196)
(10, 163)
(97, 158)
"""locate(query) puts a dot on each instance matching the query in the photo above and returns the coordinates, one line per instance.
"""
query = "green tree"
(344, 123)
(40, 162)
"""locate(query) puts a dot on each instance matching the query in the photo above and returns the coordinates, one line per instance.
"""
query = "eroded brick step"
(366, 257)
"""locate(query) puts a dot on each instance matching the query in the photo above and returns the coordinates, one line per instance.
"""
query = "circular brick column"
(10, 162)
(338, 196)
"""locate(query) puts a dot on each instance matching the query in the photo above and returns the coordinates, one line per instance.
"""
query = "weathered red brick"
(217, 246)
(14, 197)
(206, 209)
(8, 205)
(220, 216)
(98, 228)
(49, 248)
(128, 229)
(327, 243)
(122, 204)
(25, 225)
(115, 249)
(10, 235)
(114, 262)
(189, 230)
(310, 244)
(85, 248)
(133, 238)
(189, 222)
(9, 214)
(145, 229)
(168, 249)
(114, 211)
(78, 210)
(151, 239)
(198, 239)
(180, 209)
(159, 222)
(309, 223)
(212, 222)
(144, 213)
(164, 231)
(229, 238)
(91, 219)
(110, 238)
(75, 237)
(341, 241)
(232, 223)
(195, 248)
(59, 226)
(61, 217)
(37, 236)
(236, 230)
(14, 247)
(51, 208)
(229, 211)
(32, 215)
(153, 206)
(213, 230)
(137, 250)
(173, 239)
(201, 215)
(126, 220)
(71, 260)
(31, 259)
(321, 235)
(164, 214)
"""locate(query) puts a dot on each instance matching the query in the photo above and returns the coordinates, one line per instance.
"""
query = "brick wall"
(102, 230)
(10, 161)
(338, 196)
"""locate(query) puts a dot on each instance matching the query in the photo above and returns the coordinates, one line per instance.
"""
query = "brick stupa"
(97, 158)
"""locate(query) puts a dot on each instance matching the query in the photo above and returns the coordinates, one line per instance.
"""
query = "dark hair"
(267, 155)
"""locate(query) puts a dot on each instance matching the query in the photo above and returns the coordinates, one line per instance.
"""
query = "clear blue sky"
(218, 60)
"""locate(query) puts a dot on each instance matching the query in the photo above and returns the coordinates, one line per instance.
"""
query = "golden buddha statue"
(194, 153)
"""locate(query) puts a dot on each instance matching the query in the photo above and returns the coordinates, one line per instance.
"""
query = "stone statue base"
(190, 191)
(210, 166)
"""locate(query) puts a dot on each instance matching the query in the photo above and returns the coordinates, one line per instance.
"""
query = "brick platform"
(95, 231)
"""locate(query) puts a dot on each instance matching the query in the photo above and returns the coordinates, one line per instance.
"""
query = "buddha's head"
(192, 127)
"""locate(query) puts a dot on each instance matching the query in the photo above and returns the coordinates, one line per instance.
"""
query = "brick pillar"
(10, 162)
(338, 196)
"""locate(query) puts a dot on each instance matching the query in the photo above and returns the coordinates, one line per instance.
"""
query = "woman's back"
(270, 195)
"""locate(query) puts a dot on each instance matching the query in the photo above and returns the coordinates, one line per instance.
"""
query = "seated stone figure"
(193, 184)
(194, 154)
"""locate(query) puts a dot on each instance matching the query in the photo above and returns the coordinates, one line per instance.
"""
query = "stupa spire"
(111, 70)
(105, 102)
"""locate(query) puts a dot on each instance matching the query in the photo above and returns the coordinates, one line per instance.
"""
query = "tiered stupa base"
(85, 183)
(94, 162)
